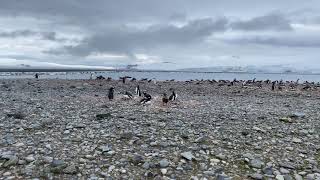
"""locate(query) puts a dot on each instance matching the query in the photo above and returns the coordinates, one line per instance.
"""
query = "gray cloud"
(51, 36)
(275, 21)
(125, 40)
(15, 34)
(287, 41)
(155, 28)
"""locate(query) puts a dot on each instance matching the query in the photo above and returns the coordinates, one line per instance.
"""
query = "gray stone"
(286, 165)
(71, 169)
(57, 166)
(13, 160)
(279, 177)
(267, 170)
(137, 159)
(187, 155)
(256, 163)
(256, 176)
(209, 173)
(30, 158)
(164, 163)
(146, 165)
(298, 177)
(296, 140)
(284, 171)
(223, 177)
(287, 177)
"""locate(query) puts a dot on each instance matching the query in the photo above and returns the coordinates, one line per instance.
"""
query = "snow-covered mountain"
(255, 69)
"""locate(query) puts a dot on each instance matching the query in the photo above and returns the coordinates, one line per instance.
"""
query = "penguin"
(147, 98)
(173, 96)
(123, 79)
(306, 87)
(110, 93)
(273, 86)
(128, 95)
(36, 76)
(138, 92)
(164, 99)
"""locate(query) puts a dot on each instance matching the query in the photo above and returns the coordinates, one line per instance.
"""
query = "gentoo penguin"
(273, 86)
(110, 93)
(138, 92)
(128, 95)
(147, 98)
(123, 79)
(164, 99)
(173, 96)
(36, 76)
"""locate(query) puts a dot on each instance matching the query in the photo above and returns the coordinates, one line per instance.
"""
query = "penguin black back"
(173, 96)
(147, 98)
(110, 93)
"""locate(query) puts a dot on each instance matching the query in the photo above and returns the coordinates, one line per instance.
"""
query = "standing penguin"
(173, 96)
(138, 92)
(110, 93)
(273, 85)
(165, 99)
(36, 76)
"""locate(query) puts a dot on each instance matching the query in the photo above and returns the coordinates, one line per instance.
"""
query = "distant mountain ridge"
(52, 67)
(255, 69)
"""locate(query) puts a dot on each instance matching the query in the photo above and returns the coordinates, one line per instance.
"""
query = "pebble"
(30, 158)
(296, 140)
(164, 171)
(187, 155)
(279, 177)
(164, 163)
(256, 163)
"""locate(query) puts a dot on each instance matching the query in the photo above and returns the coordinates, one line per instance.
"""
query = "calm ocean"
(179, 76)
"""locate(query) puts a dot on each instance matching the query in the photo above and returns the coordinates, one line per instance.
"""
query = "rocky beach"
(68, 129)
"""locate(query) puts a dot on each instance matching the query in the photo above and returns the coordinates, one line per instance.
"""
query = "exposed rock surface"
(69, 129)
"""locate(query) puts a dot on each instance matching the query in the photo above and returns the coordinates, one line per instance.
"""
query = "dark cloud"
(287, 41)
(15, 34)
(87, 12)
(155, 28)
(51, 36)
(125, 40)
(276, 22)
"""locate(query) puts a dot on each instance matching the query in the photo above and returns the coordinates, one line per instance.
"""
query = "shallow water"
(180, 76)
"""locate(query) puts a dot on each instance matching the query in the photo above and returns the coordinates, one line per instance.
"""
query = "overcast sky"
(166, 34)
